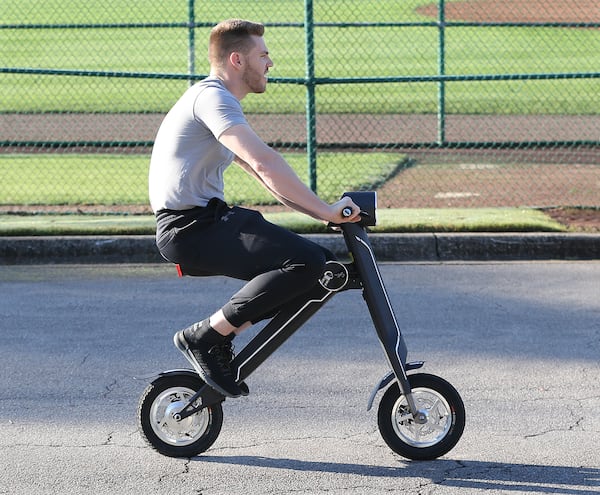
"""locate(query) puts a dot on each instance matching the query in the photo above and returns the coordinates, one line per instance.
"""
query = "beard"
(255, 80)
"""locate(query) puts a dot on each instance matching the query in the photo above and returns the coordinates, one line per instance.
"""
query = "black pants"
(240, 243)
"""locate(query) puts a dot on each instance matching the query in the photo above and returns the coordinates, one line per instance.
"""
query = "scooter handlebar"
(367, 202)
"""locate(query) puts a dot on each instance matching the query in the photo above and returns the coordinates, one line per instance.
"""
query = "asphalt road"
(520, 341)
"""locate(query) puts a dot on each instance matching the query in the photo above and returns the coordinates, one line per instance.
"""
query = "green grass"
(416, 220)
(50, 179)
(73, 179)
(389, 220)
(339, 52)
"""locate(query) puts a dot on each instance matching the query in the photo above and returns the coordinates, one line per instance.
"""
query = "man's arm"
(284, 201)
(279, 178)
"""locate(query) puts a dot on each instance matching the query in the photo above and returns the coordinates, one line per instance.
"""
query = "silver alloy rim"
(439, 418)
(164, 425)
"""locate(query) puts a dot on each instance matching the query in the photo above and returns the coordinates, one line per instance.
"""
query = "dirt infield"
(331, 128)
(518, 11)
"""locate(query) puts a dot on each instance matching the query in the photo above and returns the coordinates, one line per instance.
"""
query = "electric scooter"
(420, 416)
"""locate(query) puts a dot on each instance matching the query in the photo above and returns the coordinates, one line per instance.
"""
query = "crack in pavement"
(108, 440)
(109, 388)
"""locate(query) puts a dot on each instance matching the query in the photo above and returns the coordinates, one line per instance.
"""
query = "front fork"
(383, 317)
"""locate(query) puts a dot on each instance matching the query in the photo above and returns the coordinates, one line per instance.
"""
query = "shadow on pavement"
(462, 474)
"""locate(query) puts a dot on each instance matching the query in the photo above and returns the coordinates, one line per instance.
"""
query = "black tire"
(188, 437)
(444, 425)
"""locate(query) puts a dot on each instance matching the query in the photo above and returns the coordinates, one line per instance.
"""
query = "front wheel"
(444, 418)
(157, 411)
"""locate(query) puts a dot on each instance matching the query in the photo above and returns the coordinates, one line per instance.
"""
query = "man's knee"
(310, 263)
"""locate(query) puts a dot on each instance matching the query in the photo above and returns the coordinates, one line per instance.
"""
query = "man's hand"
(339, 208)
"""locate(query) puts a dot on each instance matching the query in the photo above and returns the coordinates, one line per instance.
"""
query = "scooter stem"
(379, 305)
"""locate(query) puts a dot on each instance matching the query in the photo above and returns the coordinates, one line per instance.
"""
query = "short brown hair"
(232, 35)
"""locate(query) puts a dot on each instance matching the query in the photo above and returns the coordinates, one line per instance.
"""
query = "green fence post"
(191, 41)
(311, 116)
(441, 116)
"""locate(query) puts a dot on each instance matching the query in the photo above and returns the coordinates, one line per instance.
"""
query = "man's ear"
(236, 59)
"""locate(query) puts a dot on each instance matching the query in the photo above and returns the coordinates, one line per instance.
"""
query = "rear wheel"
(157, 415)
(442, 424)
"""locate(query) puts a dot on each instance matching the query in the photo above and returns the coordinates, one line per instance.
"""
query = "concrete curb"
(430, 247)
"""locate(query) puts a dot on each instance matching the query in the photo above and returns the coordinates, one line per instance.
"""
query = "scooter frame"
(362, 272)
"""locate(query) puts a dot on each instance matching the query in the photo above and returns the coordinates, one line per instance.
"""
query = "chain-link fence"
(480, 103)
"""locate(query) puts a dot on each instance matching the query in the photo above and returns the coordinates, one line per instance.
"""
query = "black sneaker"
(212, 362)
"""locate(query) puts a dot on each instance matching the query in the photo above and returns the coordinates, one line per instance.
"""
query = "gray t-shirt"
(187, 164)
